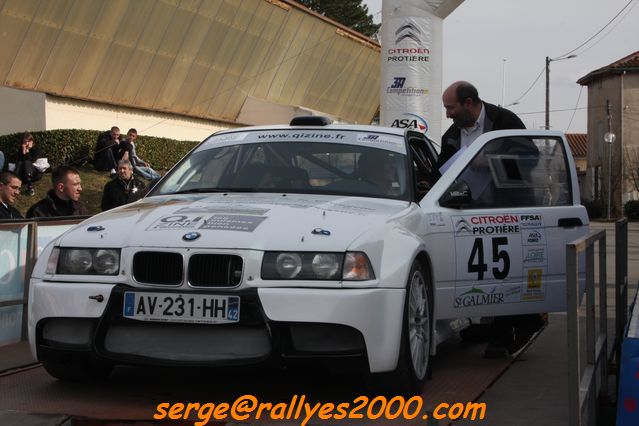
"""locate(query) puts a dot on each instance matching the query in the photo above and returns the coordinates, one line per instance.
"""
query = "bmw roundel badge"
(191, 236)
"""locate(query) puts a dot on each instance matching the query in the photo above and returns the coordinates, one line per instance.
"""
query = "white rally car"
(311, 240)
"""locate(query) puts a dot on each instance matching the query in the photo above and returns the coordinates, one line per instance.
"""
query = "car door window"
(424, 163)
(518, 172)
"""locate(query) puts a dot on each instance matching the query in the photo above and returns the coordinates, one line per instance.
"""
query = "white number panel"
(500, 258)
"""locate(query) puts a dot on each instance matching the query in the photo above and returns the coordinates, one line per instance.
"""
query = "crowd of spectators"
(113, 153)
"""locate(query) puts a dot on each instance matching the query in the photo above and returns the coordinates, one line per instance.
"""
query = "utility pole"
(503, 82)
(548, 61)
(547, 126)
(609, 138)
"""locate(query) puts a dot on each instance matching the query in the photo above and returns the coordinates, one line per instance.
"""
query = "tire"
(414, 363)
(77, 369)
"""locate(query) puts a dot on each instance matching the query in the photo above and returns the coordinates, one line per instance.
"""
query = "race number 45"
(477, 264)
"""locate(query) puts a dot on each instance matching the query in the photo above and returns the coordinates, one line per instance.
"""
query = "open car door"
(498, 222)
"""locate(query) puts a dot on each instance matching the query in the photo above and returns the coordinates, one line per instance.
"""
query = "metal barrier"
(621, 287)
(583, 390)
(27, 261)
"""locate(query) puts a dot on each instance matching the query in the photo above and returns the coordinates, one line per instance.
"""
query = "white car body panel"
(161, 221)
(352, 308)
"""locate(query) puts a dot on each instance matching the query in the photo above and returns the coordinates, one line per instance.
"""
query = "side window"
(518, 172)
(423, 162)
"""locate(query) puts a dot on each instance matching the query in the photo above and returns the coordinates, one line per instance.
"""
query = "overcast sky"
(479, 34)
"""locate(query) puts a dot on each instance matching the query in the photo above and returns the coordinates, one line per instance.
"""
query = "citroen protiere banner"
(411, 74)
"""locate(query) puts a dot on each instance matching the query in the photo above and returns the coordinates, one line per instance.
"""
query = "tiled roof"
(629, 63)
(578, 143)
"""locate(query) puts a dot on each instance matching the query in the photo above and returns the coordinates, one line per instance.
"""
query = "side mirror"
(457, 195)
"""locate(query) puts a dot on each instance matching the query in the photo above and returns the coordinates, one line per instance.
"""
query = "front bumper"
(275, 323)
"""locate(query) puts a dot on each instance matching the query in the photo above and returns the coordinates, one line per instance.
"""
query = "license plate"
(176, 307)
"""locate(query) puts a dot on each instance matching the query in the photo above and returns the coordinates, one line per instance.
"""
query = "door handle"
(569, 222)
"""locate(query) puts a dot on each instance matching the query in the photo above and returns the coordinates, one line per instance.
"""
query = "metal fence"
(588, 382)
(621, 286)
(20, 243)
(584, 389)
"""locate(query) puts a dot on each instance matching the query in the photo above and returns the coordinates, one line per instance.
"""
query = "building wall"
(21, 110)
(601, 90)
(630, 130)
(581, 165)
(65, 113)
(25, 110)
(193, 58)
(623, 93)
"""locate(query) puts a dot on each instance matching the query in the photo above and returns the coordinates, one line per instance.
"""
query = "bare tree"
(631, 166)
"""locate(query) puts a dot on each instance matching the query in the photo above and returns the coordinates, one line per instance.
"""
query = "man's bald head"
(462, 103)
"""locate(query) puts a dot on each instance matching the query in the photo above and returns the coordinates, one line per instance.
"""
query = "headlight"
(288, 265)
(326, 265)
(106, 261)
(301, 266)
(351, 266)
(86, 261)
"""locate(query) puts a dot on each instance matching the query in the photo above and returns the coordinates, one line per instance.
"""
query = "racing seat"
(290, 178)
(251, 176)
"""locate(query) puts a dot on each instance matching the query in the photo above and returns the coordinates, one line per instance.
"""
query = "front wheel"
(413, 366)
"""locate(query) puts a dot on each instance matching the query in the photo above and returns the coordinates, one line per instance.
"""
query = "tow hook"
(99, 298)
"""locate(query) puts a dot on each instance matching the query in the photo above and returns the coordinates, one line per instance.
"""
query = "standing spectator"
(9, 192)
(64, 198)
(106, 151)
(471, 118)
(1, 161)
(123, 190)
(127, 152)
(28, 153)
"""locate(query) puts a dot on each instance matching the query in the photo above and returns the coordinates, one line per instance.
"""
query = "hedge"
(631, 209)
(76, 146)
(594, 208)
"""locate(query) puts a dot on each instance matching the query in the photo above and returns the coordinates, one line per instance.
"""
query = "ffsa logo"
(412, 121)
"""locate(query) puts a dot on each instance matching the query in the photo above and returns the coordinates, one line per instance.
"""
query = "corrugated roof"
(578, 143)
(629, 63)
(198, 58)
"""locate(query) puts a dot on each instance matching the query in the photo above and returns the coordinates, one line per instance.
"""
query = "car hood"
(237, 221)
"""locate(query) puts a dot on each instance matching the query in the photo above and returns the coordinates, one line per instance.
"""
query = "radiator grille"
(215, 270)
(155, 267)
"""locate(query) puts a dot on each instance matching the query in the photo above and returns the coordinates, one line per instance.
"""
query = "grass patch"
(92, 187)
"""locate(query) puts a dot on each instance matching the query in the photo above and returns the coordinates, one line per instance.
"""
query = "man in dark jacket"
(64, 198)
(9, 192)
(471, 117)
(28, 154)
(106, 150)
(123, 190)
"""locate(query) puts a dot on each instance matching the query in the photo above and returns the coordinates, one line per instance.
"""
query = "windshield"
(291, 166)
